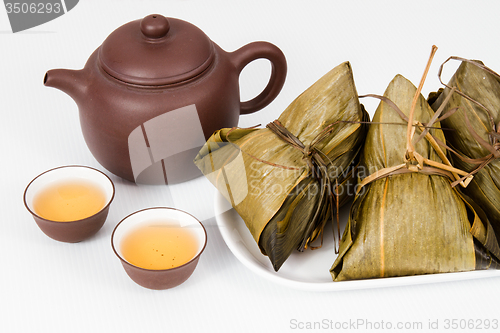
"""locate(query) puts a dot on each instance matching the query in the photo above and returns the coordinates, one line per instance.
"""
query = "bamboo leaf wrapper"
(269, 182)
(411, 221)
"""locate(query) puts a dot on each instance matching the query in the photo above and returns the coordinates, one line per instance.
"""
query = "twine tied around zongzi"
(493, 146)
(317, 163)
(415, 162)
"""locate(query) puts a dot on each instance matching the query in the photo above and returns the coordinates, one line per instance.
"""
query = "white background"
(48, 286)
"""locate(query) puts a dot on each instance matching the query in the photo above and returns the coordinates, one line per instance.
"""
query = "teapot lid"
(156, 51)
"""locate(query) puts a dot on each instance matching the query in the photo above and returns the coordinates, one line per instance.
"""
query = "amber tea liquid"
(158, 245)
(69, 200)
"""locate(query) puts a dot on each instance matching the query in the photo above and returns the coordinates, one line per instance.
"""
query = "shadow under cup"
(72, 231)
(161, 278)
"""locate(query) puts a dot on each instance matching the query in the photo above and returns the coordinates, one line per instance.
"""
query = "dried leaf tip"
(410, 149)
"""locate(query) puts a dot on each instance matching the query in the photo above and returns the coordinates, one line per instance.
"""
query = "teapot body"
(117, 109)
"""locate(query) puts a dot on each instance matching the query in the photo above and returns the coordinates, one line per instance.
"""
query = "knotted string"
(494, 145)
(414, 162)
(317, 163)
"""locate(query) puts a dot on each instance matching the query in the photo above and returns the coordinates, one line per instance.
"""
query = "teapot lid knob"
(155, 26)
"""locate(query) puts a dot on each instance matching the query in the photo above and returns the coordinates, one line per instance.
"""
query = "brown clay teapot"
(155, 90)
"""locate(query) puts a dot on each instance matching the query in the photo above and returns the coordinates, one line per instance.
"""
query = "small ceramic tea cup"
(70, 231)
(168, 218)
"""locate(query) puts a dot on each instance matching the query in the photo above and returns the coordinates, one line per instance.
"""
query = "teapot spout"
(72, 82)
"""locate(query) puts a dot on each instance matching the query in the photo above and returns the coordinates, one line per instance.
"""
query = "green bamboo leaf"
(410, 223)
(483, 87)
(268, 182)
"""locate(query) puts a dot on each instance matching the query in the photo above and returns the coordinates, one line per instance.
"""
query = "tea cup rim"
(123, 260)
(113, 190)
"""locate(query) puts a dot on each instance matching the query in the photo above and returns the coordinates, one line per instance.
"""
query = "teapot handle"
(257, 50)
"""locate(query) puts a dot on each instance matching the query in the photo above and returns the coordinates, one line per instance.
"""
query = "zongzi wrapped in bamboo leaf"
(406, 218)
(471, 119)
(280, 179)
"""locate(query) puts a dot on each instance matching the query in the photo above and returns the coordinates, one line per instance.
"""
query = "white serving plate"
(309, 270)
